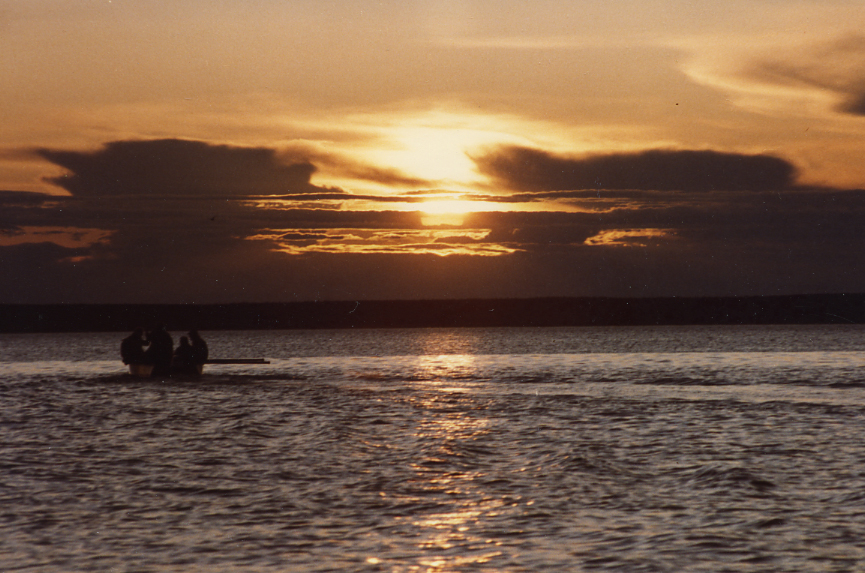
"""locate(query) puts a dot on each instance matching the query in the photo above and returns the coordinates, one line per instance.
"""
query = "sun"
(449, 211)
(428, 148)
(448, 206)
(433, 145)
(435, 154)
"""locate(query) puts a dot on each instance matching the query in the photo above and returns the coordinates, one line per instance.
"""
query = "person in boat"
(161, 350)
(184, 358)
(199, 347)
(132, 348)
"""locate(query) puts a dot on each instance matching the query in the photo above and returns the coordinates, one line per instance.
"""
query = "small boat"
(146, 370)
(141, 370)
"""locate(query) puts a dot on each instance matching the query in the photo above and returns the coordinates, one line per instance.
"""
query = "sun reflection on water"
(450, 464)
(445, 369)
(454, 539)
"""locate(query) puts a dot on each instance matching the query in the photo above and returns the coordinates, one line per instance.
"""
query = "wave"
(836, 370)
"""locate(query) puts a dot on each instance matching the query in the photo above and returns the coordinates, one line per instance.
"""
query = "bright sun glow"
(433, 145)
(452, 206)
(450, 211)
(436, 154)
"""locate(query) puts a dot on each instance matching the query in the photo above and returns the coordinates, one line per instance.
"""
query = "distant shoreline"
(585, 311)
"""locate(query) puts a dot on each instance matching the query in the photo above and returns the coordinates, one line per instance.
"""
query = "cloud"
(655, 227)
(178, 167)
(180, 200)
(395, 240)
(836, 68)
(524, 169)
(353, 169)
(171, 206)
(855, 104)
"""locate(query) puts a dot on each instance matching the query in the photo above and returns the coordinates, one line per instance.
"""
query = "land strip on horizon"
(590, 311)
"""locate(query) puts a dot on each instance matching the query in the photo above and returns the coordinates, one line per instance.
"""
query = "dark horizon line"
(840, 308)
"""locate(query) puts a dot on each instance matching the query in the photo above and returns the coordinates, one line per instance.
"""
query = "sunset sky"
(264, 150)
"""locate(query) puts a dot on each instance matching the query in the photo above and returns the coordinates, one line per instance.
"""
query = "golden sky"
(449, 130)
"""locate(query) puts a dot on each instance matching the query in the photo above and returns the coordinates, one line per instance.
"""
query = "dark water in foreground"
(606, 449)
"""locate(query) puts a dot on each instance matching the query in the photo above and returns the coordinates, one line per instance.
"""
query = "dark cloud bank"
(525, 169)
(178, 167)
(690, 223)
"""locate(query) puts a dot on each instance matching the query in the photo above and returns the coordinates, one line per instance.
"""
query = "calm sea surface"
(574, 449)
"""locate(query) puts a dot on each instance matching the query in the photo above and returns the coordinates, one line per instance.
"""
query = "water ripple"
(701, 461)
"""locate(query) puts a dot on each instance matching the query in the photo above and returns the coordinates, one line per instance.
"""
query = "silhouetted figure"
(184, 362)
(199, 347)
(161, 351)
(132, 348)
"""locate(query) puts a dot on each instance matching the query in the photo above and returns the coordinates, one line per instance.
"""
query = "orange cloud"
(66, 237)
(630, 237)
(391, 241)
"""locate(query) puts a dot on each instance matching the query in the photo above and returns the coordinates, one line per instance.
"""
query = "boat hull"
(141, 370)
(146, 370)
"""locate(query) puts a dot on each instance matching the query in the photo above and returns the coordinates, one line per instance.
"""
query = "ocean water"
(431, 450)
